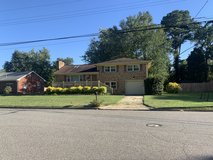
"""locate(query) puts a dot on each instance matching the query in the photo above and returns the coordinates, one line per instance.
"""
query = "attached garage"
(134, 87)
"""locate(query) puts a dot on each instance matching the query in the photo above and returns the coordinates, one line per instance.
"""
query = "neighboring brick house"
(22, 82)
(124, 75)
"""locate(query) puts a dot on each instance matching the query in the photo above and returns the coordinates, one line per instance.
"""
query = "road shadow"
(202, 157)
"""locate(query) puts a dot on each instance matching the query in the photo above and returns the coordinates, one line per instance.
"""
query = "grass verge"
(47, 101)
(181, 101)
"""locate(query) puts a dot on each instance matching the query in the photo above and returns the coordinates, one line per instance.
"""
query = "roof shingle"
(123, 61)
(76, 69)
(12, 76)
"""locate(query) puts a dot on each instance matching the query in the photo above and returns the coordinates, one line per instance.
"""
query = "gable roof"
(124, 61)
(15, 76)
(77, 69)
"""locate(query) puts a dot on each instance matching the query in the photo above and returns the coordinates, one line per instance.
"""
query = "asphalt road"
(110, 135)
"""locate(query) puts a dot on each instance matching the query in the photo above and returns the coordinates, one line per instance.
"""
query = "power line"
(48, 44)
(187, 49)
(38, 6)
(201, 8)
(196, 18)
(79, 13)
(48, 39)
(197, 42)
(137, 29)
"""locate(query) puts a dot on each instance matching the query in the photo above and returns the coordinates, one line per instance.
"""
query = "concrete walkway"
(128, 103)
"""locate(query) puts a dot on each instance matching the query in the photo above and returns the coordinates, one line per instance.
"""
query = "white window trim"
(132, 68)
(110, 69)
(115, 83)
(110, 84)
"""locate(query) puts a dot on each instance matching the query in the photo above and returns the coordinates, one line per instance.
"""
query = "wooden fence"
(197, 87)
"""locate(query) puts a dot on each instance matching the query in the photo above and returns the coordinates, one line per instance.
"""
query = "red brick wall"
(33, 84)
(12, 84)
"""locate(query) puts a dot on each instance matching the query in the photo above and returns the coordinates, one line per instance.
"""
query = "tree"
(197, 67)
(67, 60)
(124, 41)
(31, 61)
(178, 35)
(204, 41)
(183, 71)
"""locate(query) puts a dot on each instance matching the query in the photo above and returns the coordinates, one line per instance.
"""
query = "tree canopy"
(125, 41)
(178, 35)
(38, 61)
(67, 60)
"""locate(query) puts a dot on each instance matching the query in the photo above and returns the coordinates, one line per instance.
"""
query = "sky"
(25, 20)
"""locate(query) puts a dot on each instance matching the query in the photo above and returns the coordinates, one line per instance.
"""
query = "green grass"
(191, 101)
(51, 101)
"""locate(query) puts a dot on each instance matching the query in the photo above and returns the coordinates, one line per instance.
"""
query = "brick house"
(22, 82)
(123, 75)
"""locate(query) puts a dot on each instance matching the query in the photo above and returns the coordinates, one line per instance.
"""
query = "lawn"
(47, 101)
(182, 100)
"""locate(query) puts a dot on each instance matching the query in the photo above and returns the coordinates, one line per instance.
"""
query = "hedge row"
(76, 90)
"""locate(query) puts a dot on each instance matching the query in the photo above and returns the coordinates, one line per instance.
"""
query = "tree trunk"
(176, 64)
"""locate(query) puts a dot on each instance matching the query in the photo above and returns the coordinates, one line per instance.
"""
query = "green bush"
(157, 87)
(154, 86)
(148, 86)
(173, 87)
(8, 90)
(87, 90)
(76, 90)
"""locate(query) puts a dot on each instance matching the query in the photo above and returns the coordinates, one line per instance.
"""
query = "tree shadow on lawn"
(191, 108)
(193, 97)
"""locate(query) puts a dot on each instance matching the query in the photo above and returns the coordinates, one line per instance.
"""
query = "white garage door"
(134, 87)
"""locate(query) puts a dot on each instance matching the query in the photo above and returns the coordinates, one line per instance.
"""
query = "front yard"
(191, 101)
(47, 101)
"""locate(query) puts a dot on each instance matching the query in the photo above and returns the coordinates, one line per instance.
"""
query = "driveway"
(128, 103)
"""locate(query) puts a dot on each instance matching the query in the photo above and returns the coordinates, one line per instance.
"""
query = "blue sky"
(39, 19)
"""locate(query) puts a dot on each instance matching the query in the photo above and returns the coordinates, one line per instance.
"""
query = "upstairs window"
(132, 68)
(110, 69)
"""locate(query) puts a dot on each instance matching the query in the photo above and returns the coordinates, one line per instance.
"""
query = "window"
(112, 84)
(131, 68)
(72, 78)
(38, 85)
(110, 69)
(107, 83)
(25, 86)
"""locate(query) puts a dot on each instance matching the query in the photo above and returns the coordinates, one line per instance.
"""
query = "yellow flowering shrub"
(76, 90)
(173, 87)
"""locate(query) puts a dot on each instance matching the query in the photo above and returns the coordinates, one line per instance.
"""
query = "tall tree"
(178, 35)
(204, 41)
(125, 41)
(196, 66)
(31, 61)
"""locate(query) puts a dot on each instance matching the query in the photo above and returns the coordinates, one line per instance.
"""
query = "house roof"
(14, 76)
(77, 69)
(123, 61)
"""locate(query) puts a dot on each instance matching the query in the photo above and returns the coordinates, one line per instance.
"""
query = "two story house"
(123, 75)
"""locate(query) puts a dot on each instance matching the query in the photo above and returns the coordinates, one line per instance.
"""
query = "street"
(104, 134)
